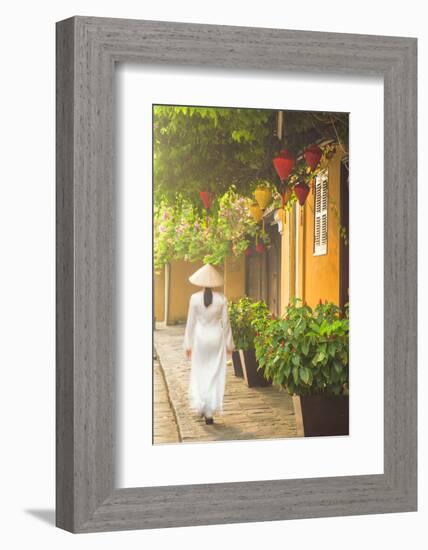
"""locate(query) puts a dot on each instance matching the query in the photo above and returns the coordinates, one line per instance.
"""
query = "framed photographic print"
(236, 274)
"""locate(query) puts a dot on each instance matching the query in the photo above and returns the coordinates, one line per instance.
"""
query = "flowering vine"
(182, 231)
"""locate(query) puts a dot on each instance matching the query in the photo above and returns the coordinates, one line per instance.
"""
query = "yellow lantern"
(263, 196)
(256, 212)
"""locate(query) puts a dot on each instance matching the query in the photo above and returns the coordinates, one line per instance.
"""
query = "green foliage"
(210, 149)
(178, 232)
(243, 315)
(183, 232)
(233, 225)
(305, 127)
(229, 152)
(305, 351)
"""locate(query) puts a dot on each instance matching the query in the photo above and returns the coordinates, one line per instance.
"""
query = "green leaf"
(305, 347)
(338, 367)
(313, 326)
(296, 375)
(305, 375)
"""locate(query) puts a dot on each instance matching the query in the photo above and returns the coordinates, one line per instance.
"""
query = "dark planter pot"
(322, 414)
(252, 376)
(237, 367)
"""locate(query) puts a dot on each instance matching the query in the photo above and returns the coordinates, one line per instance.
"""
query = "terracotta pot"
(302, 191)
(312, 156)
(284, 163)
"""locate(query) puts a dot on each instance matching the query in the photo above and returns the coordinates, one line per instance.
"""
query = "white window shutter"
(321, 214)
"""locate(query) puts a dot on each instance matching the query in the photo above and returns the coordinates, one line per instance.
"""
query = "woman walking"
(207, 342)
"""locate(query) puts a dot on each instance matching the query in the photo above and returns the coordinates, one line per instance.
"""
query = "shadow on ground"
(46, 515)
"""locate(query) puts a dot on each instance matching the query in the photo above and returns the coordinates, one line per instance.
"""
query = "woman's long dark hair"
(208, 297)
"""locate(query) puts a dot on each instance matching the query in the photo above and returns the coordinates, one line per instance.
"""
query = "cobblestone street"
(165, 429)
(249, 413)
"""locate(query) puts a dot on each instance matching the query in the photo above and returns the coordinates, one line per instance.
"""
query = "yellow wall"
(234, 277)
(301, 214)
(318, 277)
(321, 274)
(288, 259)
(159, 295)
(180, 289)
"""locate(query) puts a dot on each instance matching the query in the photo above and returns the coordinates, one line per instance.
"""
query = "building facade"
(308, 257)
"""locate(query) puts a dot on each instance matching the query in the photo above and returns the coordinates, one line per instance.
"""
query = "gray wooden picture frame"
(87, 50)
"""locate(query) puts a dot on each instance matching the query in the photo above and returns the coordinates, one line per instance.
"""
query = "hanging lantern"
(312, 156)
(284, 163)
(286, 195)
(248, 251)
(256, 212)
(260, 247)
(302, 191)
(263, 196)
(207, 198)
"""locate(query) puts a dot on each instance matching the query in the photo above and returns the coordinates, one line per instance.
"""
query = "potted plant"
(306, 352)
(243, 314)
(234, 315)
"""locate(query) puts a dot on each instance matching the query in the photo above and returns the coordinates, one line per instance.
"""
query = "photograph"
(250, 273)
(209, 341)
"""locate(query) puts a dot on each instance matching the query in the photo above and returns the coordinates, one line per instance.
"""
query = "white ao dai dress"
(208, 335)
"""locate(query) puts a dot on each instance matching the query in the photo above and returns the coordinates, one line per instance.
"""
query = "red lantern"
(249, 251)
(312, 156)
(260, 247)
(302, 191)
(207, 198)
(283, 164)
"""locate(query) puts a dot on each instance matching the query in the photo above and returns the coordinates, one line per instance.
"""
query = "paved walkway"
(165, 429)
(249, 413)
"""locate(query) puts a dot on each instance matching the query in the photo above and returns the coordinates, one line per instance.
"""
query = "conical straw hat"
(207, 276)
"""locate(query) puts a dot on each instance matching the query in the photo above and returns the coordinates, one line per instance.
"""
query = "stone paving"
(249, 413)
(165, 429)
